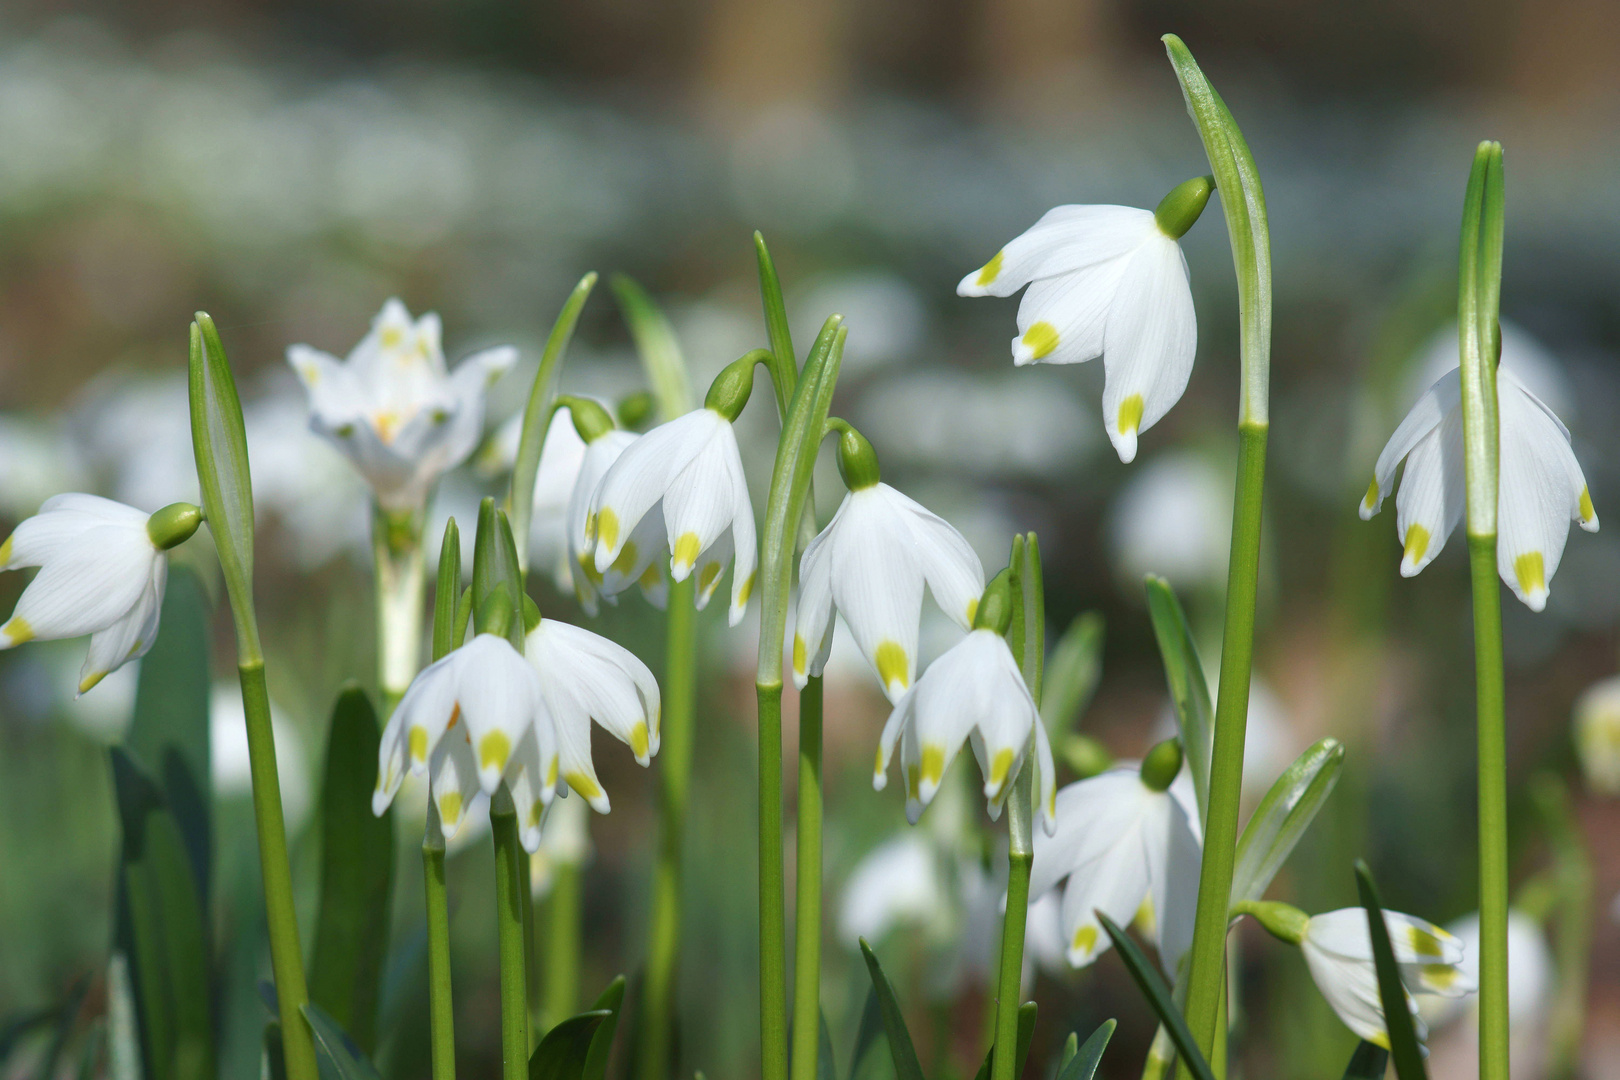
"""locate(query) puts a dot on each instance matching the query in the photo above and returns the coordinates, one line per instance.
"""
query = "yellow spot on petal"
(1439, 976)
(588, 788)
(1042, 338)
(590, 528)
(1380, 1040)
(17, 631)
(587, 567)
(638, 739)
(450, 807)
(892, 665)
(311, 374)
(972, 610)
(649, 577)
(1588, 512)
(1085, 939)
(687, 547)
(1424, 943)
(1146, 920)
(710, 572)
(607, 527)
(799, 660)
(1372, 494)
(1417, 543)
(1531, 571)
(991, 270)
(877, 762)
(391, 336)
(746, 590)
(1130, 414)
(5, 548)
(933, 764)
(536, 811)
(551, 774)
(90, 680)
(418, 740)
(387, 425)
(999, 767)
(455, 717)
(493, 750)
(913, 787)
(626, 561)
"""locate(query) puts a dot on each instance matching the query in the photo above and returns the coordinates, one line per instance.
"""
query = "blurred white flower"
(565, 840)
(561, 455)
(897, 883)
(641, 558)
(231, 767)
(1597, 735)
(36, 461)
(1532, 976)
(890, 315)
(304, 483)
(136, 430)
(1535, 367)
(1173, 518)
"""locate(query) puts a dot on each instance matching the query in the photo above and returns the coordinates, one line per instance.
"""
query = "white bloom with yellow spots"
(642, 557)
(394, 408)
(1540, 488)
(1338, 951)
(102, 573)
(691, 470)
(1127, 850)
(1105, 281)
(1597, 735)
(975, 693)
(870, 564)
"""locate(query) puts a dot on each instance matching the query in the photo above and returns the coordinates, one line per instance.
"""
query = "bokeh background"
(289, 165)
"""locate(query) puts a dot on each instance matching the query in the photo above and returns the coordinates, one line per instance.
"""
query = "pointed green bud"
(173, 525)
(590, 419)
(1161, 765)
(1180, 209)
(636, 409)
(1086, 756)
(1283, 921)
(995, 606)
(730, 389)
(495, 613)
(857, 461)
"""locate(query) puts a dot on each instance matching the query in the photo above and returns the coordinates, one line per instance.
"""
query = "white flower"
(1540, 487)
(641, 558)
(393, 407)
(691, 468)
(1103, 281)
(1597, 735)
(897, 882)
(561, 455)
(1125, 849)
(1338, 951)
(1532, 974)
(1173, 517)
(869, 564)
(100, 574)
(565, 840)
(973, 692)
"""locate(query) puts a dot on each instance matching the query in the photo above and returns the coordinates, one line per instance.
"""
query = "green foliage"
(1026, 1033)
(495, 567)
(565, 1051)
(906, 1066)
(656, 343)
(1369, 1062)
(447, 591)
(1403, 1040)
(1184, 673)
(826, 1067)
(1072, 674)
(1083, 1065)
(612, 1001)
(1152, 985)
(1283, 816)
(340, 1058)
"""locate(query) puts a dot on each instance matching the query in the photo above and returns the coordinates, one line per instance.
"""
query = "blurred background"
(289, 165)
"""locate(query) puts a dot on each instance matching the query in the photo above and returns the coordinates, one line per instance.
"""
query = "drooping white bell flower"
(1338, 951)
(583, 677)
(562, 452)
(1532, 974)
(870, 564)
(565, 840)
(102, 573)
(1597, 735)
(1127, 846)
(1107, 281)
(643, 556)
(393, 406)
(1540, 486)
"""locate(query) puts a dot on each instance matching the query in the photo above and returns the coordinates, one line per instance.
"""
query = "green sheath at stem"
(286, 956)
(772, 921)
(807, 910)
(441, 1008)
(510, 884)
(675, 774)
(561, 961)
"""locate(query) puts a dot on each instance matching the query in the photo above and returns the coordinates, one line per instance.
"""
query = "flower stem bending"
(807, 909)
(510, 884)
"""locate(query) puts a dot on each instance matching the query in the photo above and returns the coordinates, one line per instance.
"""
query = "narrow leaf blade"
(564, 1052)
(1184, 673)
(1369, 1062)
(1083, 1066)
(1072, 674)
(611, 1000)
(660, 350)
(1403, 1040)
(784, 364)
(219, 441)
(339, 1051)
(1157, 993)
(1283, 816)
(906, 1066)
(447, 591)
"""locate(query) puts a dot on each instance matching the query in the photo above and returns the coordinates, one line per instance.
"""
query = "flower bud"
(857, 461)
(1283, 921)
(730, 389)
(173, 525)
(1161, 765)
(1178, 210)
(635, 409)
(995, 606)
(590, 419)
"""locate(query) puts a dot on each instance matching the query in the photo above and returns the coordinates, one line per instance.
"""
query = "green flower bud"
(1161, 765)
(857, 461)
(1283, 921)
(1086, 756)
(1181, 208)
(590, 419)
(995, 606)
(635, 409)
(173, 525)
(730, 389)
(495, 616)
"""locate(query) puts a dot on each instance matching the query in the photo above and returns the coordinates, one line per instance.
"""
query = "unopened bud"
(995, 606)
(495, 614)
(857, 461)
(1161, 765)
(1283, 921)
(730, 389)
(590, 419)
(635, 408)
(173, 525)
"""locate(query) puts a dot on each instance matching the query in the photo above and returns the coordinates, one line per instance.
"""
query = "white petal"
(1149, 344)
(1177, 861)
(59, 522)
(467, 384)
(746, 544)
(899, 719)
(1066, 238)
(1115, 884)
(877, 586)
(813, 621)
(334, 395)
(1538, 494)
(641, 476)
(87, 584)
(1433, 497)
(1047, 793)
(526, 779)
(1064, 319)
(499, 697)
(702, 499)
(948, 562)
(454, 782)
(423, 715)
(604, 679)
(1351, 988)
(1091, 814)
(1443, 398)
(129, 637)
(711, 564)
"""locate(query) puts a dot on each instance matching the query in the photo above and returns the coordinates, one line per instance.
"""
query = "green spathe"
(590, 419)
(174, 525)
(995, 606)
(1180, 210)
(1282, 921)
(1161, 765)
(857, 461)
(730, 389)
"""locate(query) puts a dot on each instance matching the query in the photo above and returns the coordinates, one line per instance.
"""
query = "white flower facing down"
(975, 693)
(1540, 487)
(562, 452)
(870, 564)
(1597, 735)
(1338, 951)
(1125, 850)
(100, 574)
(642, 557)
(1532, 974)
(691, 470)
(394, 408)
(1103, 281)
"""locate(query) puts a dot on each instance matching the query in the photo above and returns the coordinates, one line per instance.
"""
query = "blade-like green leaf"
(612, 1000)
(784, 363)
(1026, 1033)
(1158, 996)
(1369, 1062)
(337, 1050)
(659, 349)
(901, 1049)
(1184, 674)
(275, 1057)
(447, 591)
(1283, 816)
(1072, 674)
(1403, 1040)
(1084, 1064)
(537, 412)
(564, 1052)
(826, 1068)
(357, 875)
(867, 1034)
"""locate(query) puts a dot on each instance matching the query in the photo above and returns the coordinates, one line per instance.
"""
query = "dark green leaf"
(1072, 674)
(357, 875)
(1026, 1032)
(906, 1066)
(1283, 816)
(275, 1057)
(564, 1052)
(1184, 674)
(612, 1000)
(1083, 1066)
(660, 351)
(1403, 1040)
(1369, 1062)
(1071, 1047)
(826, 1067)
(868, 1033)
(337, 1051)
(447, 592)
(1158, 996)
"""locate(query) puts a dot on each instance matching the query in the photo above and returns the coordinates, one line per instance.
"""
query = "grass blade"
(906, 1066)
(566, 1050)
(1157, 993)
(612, 1001)
(1403, 1040)
(1283, 816)
(1083, 1066)
(1184, 673)
(1369, 1062)
(333, 1044)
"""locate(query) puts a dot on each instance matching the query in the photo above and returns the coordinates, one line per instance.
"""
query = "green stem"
(1206, 983)
(510, 884)
(441, 1005)
(1020, 856)
(396, 545)
(286, 956)
(807, 909)
(531, 985)
(1493, 855)
(772, 928)
(675, 771)
(561, 961)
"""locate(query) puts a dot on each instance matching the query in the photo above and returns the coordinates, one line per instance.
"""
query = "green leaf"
(1083, 1066)
(1026, 1033)
(337, 1051)
(1283, 816)
(66, 1015)
(18, 1026)
(867, 1033)
(537, 413)
(220, 443)
(275, 1057)
(1072, 674)
(566, 1049)
(495, 566)
(447, 591)
(612, 1000)
(1403, 1040)
(1149, 981)
(1184, 674)
(784, 363)
(660, 351)
(901, 1049)
(1369, 1062)
(357, 875)
(826, 1067)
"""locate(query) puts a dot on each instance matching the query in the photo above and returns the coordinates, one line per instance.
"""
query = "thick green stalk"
(286, 956)
(772, 920)
(807, 911)
(531, 984)
(441, 1007)
(510, 884)
(560, 970)
(1206, 979)
(675, 772)
(396, 547)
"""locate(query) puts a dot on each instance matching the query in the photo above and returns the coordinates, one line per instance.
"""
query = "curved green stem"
(807, 909)
(511, 883)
